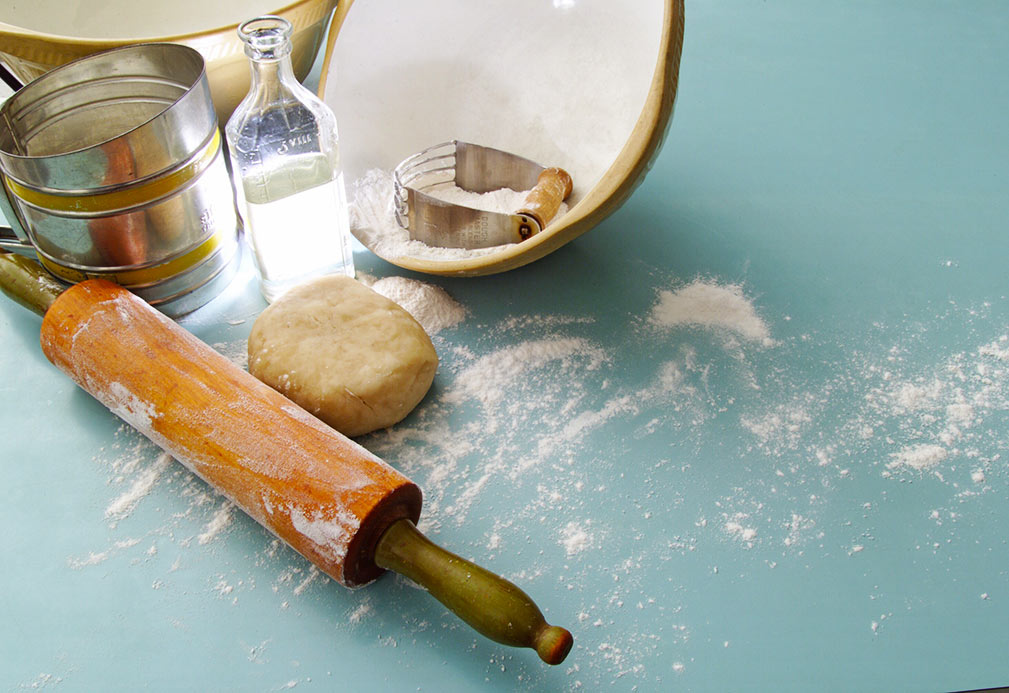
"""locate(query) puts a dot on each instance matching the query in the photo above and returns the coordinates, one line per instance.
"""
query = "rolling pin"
(335, 503)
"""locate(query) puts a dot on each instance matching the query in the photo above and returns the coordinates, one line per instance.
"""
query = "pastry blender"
(476, 169)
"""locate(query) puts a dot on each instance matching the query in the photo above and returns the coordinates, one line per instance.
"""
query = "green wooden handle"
(493, 606)
(27, 282)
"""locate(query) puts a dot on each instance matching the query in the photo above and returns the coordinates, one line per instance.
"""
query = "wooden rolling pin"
(334, 502)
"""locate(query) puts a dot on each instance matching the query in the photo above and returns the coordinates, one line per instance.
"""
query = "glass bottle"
(285, 161)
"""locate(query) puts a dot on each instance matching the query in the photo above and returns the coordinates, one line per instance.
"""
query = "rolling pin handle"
(27, 283)
(490, 604)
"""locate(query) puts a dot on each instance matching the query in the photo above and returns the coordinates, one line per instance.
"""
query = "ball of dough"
(345, 353)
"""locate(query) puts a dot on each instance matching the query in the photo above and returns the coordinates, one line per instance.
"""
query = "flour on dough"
(350, 356)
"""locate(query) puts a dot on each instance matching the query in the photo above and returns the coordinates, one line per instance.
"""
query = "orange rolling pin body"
(320, 492)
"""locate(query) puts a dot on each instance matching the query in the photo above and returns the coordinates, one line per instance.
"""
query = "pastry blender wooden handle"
(542, 202)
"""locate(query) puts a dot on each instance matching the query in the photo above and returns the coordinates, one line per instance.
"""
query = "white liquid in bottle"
(285, 158)
(297, 224)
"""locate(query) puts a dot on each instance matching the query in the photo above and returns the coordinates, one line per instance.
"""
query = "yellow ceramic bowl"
(39, 35)
(587, 85)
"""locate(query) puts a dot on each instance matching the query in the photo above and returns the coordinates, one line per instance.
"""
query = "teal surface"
(822, 510)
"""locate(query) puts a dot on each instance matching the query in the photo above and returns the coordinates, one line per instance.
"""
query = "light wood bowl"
(38, 35)
(588, 85)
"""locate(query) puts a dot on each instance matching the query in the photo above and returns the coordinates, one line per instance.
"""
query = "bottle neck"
(273, 73)
(268, 46)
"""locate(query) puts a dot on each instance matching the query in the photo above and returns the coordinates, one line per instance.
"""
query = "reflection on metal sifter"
(113, 168)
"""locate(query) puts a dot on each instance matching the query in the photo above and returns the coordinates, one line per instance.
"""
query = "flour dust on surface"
(711, 439)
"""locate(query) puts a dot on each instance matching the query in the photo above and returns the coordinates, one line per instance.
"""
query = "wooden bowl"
(39, 35)
(587, 85)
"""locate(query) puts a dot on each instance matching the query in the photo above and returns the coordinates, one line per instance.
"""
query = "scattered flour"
(94, 558)
(920, 457)
(912, 397)
(220, 520)
(42, 681)
(736, 530)
(430, 305)
(124, 504)
(223, 588)
(575, 538)
(361, 612)
(313, 575)
(998, 349)
(784, 426)
(487, 380)
(707, 304)
(91, 559)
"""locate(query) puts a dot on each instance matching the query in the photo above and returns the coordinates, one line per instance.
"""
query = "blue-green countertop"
(821, 507)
